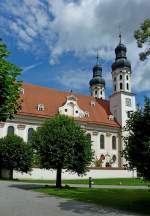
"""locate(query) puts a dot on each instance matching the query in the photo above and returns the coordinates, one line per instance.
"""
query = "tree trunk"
(11, 174)
(58, 178)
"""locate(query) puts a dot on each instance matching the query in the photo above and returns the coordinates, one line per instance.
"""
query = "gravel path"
(17, 200)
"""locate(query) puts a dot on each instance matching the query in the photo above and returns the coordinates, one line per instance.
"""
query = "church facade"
(103, 120)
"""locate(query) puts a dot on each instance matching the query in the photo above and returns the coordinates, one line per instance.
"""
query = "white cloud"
(78, 26)
(74, 79)
(141, 77)
(78, 79)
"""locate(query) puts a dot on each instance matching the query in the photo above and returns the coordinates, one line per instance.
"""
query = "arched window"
(114, 87)
(120, 86)
(127, 86)
(30, 132)
(120, 77)
(10, 130)
(114, 158)
(127, 77)
(102, 142)
(89, 135)
(113, 142)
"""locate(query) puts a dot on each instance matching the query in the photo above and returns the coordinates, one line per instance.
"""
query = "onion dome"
(97, 75)
(121, 63)
(121, 58)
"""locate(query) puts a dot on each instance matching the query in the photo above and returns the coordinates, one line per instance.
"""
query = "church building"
(103, 120)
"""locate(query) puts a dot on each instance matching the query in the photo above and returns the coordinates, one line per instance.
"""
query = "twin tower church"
(103, 120)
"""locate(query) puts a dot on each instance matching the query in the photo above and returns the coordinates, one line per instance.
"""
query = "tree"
(142, 36)
(15, 154)
(62, 144)
(137, 143)
(9, 86)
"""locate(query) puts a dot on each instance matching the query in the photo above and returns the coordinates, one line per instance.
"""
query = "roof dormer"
(40, 107)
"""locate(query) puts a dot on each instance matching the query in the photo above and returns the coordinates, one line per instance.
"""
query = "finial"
(120, 36)
(97, 56)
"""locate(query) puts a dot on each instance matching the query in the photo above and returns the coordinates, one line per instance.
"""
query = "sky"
(55, 42)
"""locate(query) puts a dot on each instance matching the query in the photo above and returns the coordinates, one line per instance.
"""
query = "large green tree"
(15, 154)
(62, 144)
(9, 86)
(142, 35)
(137, 143)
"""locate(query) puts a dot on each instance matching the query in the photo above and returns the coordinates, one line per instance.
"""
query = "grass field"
(113, 181)
(137, 201)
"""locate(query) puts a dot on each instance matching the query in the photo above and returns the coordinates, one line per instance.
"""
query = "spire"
(120, 35)
(97, 83)
(97, 72)
(97, 57)
(121, 58)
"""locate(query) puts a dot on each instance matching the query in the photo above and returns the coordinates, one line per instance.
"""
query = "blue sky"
(55, 41)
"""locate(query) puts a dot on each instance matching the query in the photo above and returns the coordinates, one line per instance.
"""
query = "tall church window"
(127, 86)
(127, 77)
(120, 86)
(114, 142)
(10, 130)
(89, 135)
(114, 87)
(30, 132)
(102, 142)
(120, 77)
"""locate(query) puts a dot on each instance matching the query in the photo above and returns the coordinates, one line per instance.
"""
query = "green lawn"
(137, 201)
(113, 181)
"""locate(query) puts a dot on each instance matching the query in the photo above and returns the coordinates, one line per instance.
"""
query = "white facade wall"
(126, 79)
(98, 91)
(125, 109)
(119, 107)
(94, 173)
(19, 129)
(95, 137)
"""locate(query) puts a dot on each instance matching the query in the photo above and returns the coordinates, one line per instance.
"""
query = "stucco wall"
(21, 129)
(94, 173)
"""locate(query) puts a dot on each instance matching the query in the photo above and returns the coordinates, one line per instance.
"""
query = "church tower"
(122, 101)
(97, 83)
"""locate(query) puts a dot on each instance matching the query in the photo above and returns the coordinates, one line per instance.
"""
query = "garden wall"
(94, 173)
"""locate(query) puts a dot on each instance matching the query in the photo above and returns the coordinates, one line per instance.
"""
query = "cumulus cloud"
(79, 26)
(74, 79)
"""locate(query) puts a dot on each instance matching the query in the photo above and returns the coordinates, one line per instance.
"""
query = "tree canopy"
(15, 154)
(62, 144)
(9, 86)
(137, 143)
(142, 35)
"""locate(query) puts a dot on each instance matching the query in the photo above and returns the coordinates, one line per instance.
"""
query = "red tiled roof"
(53, 99)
